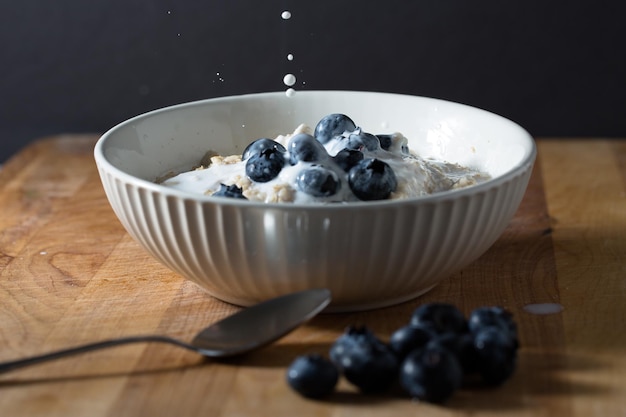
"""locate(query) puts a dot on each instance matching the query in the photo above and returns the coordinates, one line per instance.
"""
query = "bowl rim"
(515, 171)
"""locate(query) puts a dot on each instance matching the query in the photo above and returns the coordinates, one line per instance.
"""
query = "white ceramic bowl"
(369, 254)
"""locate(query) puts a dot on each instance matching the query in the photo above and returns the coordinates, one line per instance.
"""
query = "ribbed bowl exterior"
(369, 256)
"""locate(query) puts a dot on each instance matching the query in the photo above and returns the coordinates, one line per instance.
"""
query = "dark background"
(556, 67)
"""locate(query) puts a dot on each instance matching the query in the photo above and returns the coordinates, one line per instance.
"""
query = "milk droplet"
(289, 79)
(290, 57)
(543, 308)
(290, 92)
(286, 15)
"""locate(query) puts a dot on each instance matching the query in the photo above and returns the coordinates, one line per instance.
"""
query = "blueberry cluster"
(430, 357)
(357, 165)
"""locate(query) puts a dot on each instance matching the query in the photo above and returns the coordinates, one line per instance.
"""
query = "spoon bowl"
(242, 332)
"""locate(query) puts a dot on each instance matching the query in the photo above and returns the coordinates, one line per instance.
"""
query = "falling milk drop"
(289, 79)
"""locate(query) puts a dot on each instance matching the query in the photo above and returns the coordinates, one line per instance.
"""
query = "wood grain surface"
(69, 274)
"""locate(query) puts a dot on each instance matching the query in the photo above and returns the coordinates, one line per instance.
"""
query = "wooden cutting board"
(69, 274)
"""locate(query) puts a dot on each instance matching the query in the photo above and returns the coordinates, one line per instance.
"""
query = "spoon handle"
(33, 360)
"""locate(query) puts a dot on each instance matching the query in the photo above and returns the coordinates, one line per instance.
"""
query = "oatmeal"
(335, 162)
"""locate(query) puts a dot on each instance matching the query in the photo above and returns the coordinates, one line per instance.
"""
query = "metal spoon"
(244, 331)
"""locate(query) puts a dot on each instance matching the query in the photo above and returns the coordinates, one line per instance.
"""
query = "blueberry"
(312, 376)
(431, 374)
(360, 140)
(365, 361)
(266, 165)
(385, 141)
(492, 316)
(347, 158)
(318, 181)
(496, 353)
(231, 191)
(333, 125)
(462, 345)
(259, 145)
(372, 179)
(303, 147)
(409, 338)
(395, 143)
(440, 317)
(353, 338)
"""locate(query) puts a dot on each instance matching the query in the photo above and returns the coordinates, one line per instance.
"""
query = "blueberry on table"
(230, 191)
(347, 158)
(266, 165)
(333, 125)
(365, 361)
(372, 369)
(360, 141)
(318, 181)
(492, 316)
(496, 353)
(312, 376)
(462, 345)
(372, 179)
(431, 374)
(305, 148)
(259, 145)
(409, 338)
(440, 317)
(354, 337)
